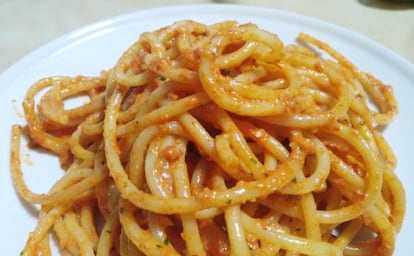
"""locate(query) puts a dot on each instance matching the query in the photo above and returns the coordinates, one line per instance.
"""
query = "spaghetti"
(216, 140)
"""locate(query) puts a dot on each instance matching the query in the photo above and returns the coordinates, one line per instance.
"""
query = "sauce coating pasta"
(216, 140)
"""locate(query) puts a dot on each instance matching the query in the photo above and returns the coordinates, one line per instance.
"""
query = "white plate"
(96, 47)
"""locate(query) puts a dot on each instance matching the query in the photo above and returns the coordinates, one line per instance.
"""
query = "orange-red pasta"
(216, 140)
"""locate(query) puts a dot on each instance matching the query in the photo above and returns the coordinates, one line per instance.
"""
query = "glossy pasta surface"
(216, 140)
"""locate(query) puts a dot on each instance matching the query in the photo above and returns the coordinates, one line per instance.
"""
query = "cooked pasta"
(215, 140)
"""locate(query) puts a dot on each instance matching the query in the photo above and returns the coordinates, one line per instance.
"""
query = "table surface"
(26, 24)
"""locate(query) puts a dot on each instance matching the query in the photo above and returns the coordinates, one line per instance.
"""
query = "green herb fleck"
(158, 246)
(166, 241)
(294, 180)
(229, 201)
(162, 78)
(361, 122)
(109, 231)
(253, 160)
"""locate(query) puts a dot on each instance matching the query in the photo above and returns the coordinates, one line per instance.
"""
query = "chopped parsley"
(162, 78)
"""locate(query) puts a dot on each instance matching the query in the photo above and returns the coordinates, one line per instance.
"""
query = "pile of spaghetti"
(216, 140)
